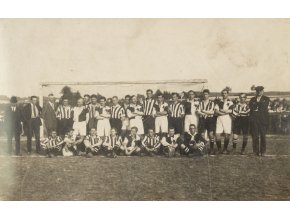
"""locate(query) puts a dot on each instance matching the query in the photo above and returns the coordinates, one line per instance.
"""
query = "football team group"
(187, 127)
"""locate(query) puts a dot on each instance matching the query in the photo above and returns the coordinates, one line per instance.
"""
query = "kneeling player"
(132, 143)
(193, 143)
(92, 143)
(52, 145)
(151, 143)
(171, 143)
(113, 144)
(241, 122)
(73, 145)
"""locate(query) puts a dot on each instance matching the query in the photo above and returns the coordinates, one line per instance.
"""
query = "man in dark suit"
(259, 118)
(32, 114)
(49, 115)
(13, 127)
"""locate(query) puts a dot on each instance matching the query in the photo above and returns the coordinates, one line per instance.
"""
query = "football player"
(176, 112)
(132, 143)
(241, 122)
(92, 143)
(79, 117)
(117, 115)
(193, 143)
(205, 110)
(91, 115)
(103, 117)
(135, 113)
(171, 143)
(190, 108)
(223, 109)
(113, 144)
(148, 118)
(52, 145)
(64, 116)
(73, 144)
(151, 143)
(125, 120)
(160, 114)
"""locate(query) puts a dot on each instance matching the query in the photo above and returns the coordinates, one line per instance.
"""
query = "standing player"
(171, 143)
(132, 143)
(64, 116)
(259, 116)
(117, 115)
(87, 100)
(92, 143)
(241, 122)
(113, 144)
(125, 121)
(193, 143)
(223, 109)
(135, 113)
(160, 114)
(79, 118)
(151, 143)
(205, 111)
(148, 105)
(103, 117)
(52, 145)
(176, 112)
(91, 116)
(190, 107)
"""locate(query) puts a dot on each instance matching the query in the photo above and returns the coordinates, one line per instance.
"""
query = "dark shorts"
(177, 124)
(206, 124)
(241, 125)
(116, 123)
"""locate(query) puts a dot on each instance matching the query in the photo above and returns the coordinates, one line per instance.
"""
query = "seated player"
(52, 145)
(92, 143)
(113, 144)
(151, 143)
(132, 143)
(193, 143)
(73, 145)
(171, 143)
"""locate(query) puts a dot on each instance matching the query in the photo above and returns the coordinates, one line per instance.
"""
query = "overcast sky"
(227, 52)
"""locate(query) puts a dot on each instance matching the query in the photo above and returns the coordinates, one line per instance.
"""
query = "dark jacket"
(49, 116)
(259, 110)
(27, 113)
(12, 120)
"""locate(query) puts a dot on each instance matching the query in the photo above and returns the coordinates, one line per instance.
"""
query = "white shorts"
(137, 122)
(80, 128)
(103, 127)
(190, 119)
(126, 124)
(224, 124)
(161, 124)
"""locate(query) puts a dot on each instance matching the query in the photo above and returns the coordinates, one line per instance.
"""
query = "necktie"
(34, 110)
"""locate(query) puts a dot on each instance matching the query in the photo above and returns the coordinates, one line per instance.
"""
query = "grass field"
(223, 177)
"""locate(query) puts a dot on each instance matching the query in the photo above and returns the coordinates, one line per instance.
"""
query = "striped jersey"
(241, 110)
(176, 110)
(151, 142)
(92, 110)
(53, 143)
(117, 112)
(93, 140)
(64, 112)
(148, 106)
(206, 106)
(113, 141)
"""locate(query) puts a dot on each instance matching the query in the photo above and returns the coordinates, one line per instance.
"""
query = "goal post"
(120, 89)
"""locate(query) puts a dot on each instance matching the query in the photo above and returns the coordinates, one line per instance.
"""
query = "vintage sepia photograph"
(144, 109)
